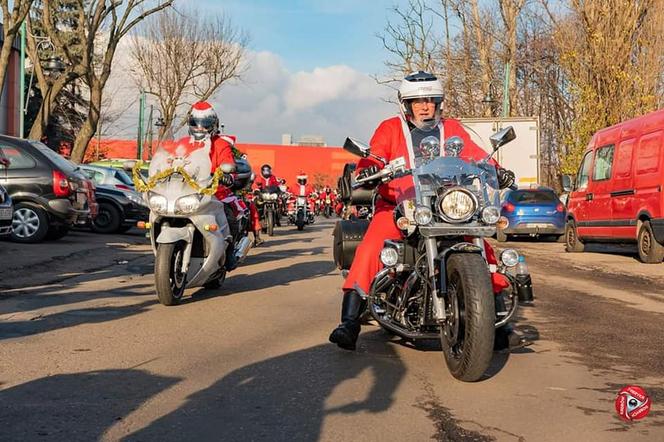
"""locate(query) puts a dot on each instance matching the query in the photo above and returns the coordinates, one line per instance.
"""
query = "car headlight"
(423, 215)
(157, 202)
(509, 257)
(389, 257)
(490, 214)
(135, 198)
(188, 204)
(457, 205)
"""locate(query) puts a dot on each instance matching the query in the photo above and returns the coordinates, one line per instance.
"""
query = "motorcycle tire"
(270, 223)
(299, 221)
(170, 283)
(467, 337)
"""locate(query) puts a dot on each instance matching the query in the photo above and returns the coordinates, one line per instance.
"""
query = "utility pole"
(141, 111)
(506, 91)
(148, 134)
(21, 101)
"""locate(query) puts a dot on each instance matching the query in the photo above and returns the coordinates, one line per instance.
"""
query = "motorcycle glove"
(371, 170)
(506, 177)
(226, 180)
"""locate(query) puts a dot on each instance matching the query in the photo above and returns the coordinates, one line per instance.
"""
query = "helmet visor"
(206, 123)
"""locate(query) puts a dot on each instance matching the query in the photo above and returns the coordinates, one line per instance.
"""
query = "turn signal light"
(403, 223)
(502, 223)
(560, 207)
(143, 225)
(211, 227)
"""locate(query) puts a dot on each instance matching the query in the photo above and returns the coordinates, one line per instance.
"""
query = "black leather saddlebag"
(357, 197)
(347, 236)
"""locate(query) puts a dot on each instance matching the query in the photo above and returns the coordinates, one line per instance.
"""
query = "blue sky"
(313, 33)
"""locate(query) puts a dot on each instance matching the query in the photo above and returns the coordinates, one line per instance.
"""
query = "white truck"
(521, 155)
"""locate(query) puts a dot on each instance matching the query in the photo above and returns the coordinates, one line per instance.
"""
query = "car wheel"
(572, 242)
(650, 251)
(501, 236)
(29, 224)
(108, 219)
(56, 232)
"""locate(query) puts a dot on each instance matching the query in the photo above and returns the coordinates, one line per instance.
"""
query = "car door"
(598, 212)
(578, 202)
(623, 191)
(25, 175)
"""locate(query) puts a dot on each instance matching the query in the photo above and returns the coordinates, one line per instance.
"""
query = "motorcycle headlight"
(457, 205)
(188, 204)
(274, 196)
(265, 196)
(157, 202)
(423, 215)
(490, 215)
(301, 201)
(509, 257)
(389, 257)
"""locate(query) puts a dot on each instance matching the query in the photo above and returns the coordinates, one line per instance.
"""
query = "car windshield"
(59, 161)
(532, 196)
(122, 176)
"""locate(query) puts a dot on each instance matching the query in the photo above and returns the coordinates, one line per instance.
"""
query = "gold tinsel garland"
(142, 186)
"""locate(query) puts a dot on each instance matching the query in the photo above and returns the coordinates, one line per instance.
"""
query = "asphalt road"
(87, 353)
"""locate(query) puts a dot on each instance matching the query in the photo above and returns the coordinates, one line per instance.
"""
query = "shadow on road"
(285, 398)
(75, 407)
(275, 255)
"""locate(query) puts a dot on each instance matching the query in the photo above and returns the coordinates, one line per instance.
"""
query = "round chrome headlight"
(389, 257)
(490, 215)
(423, 215)
(157, 202)
(188, 204)
(509, 257)
(457, 205)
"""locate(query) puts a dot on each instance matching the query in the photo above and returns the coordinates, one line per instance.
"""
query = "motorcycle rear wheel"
(468, 333)
(169, 281)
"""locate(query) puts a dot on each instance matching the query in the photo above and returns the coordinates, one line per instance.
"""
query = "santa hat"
(202, 109)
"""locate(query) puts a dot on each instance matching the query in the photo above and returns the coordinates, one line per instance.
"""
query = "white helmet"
(421, 85)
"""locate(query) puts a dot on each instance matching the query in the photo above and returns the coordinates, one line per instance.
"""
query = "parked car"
(123, 164)
(617, 195)
(119, 210)
(533, 212)
(108, 176)
(6, 211)
(48, 192)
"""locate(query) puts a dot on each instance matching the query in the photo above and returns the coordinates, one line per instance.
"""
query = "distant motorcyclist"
(267, 179)
(421, 101)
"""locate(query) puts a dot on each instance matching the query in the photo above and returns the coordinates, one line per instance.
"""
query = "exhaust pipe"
(242, 249)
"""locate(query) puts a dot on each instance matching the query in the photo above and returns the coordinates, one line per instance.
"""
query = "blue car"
(533, 212)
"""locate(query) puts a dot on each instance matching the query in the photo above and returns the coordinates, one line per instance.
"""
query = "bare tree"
(183, 57)
(11, 25)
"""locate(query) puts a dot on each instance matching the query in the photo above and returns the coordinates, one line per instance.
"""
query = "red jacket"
(221, 152)
(302, 190)
(262, 182)
(389, 142)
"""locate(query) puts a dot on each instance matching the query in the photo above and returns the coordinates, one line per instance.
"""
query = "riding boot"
(352, 307)
(231, 259)
(257, 238)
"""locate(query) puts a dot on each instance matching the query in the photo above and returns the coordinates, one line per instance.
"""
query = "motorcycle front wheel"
(468, 333)
(299, 221)
(169, 281)
(270, 222)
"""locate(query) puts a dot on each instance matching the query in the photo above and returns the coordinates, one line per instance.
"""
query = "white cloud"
(333, 101)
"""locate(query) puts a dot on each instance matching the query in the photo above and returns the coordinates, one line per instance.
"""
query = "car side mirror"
(357, 148)
(567, 183)
(502, 137)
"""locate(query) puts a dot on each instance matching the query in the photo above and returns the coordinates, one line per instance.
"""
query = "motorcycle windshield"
(180, 167)
(440, 174)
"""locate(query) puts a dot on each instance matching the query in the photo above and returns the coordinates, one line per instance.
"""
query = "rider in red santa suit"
(421, 99)
(267, 179)
(204, 128)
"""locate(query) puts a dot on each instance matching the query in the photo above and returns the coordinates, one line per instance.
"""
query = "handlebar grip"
(514, 187)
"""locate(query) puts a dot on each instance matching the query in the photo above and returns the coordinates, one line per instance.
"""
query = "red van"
(617, 195)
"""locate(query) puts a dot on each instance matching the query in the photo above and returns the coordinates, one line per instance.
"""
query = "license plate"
(537, 226)
(6, 213)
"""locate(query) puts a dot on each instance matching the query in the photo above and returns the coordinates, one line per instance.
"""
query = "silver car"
(108, 176)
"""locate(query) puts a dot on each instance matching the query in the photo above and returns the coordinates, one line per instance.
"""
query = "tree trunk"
(89, 127)
(5, 53)
(48, 102)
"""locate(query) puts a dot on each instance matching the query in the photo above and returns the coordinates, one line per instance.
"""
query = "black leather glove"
(506, 177)
(226, 180)
(371, 170)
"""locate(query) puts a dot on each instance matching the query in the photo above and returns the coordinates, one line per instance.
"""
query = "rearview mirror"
(357, 148)
(567, 183)
(129, 165)
(502, 137)
(228, 168)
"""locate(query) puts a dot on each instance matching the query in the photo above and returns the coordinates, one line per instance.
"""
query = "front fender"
(462, 247)
(175, 234)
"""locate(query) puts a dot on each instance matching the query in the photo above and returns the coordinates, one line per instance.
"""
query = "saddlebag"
(356, 197)
(347, 236)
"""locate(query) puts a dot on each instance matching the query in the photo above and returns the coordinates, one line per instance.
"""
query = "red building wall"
(323, 165)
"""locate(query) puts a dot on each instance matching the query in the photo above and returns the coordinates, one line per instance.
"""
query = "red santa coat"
(390, 143)
(221, 152)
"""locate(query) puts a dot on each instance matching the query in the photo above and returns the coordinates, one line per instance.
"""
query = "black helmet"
(266, 170)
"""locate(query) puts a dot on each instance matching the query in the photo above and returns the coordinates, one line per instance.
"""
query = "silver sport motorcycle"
(436, 282)
(189, 230)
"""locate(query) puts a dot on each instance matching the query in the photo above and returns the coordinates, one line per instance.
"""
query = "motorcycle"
(267, 203)
(189, 230)
(436, 282)
(299, 212)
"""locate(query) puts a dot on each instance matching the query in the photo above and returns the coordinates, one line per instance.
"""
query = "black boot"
(231, 259)
(345, 335)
